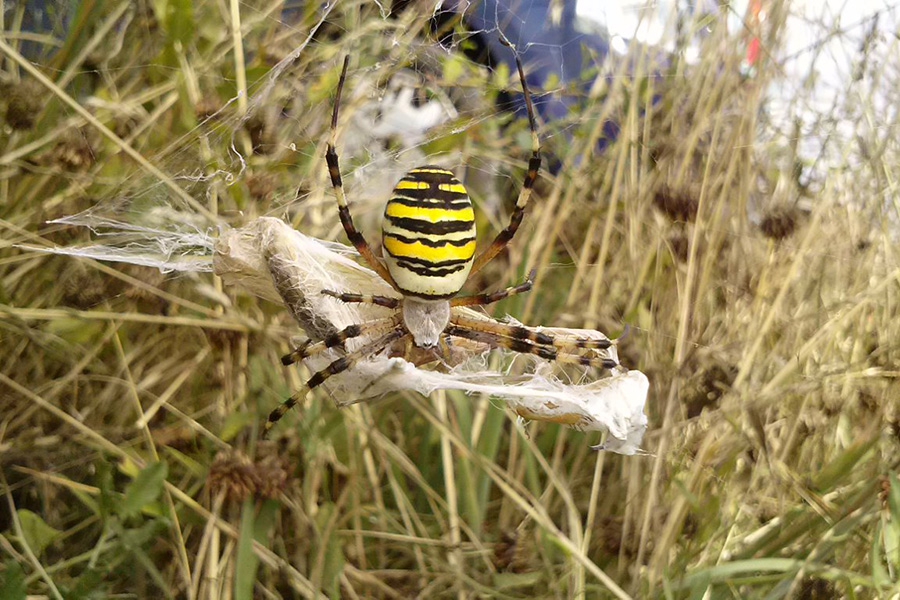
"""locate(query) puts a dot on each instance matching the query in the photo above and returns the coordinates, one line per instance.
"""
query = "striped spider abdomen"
(428, 234)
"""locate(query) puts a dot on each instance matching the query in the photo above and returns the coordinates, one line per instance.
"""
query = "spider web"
(253, 149)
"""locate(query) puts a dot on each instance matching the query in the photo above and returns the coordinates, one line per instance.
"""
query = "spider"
(428, 237)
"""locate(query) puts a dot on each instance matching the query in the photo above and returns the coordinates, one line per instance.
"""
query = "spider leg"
(568, 343)
(534, 165)
(490, 298)
(311, 348)
(338, 366)
(527, 341)
(385, 301)
(334, 172)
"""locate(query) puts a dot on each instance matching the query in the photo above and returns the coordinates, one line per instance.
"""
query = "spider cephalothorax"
(428, 237)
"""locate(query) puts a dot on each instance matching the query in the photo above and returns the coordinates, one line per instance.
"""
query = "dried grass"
(762, 305)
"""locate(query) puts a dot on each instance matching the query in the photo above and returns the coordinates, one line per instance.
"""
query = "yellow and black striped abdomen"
(429, 233)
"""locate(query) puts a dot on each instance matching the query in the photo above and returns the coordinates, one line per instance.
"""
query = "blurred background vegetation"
(759, 286)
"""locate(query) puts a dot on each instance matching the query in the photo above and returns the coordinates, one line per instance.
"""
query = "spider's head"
(428, 234)
(426, 320)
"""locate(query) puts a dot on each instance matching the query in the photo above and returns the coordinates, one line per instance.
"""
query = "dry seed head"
(207, 107)
(240, 478)
(261, 185)
(779, 223)
(262, 134)
(707, 385)
(233, 472)
(678, 205)
(24, 103)
(72, 153)
(509, 553)
(83, 289)
(273, 472)
(680, 244)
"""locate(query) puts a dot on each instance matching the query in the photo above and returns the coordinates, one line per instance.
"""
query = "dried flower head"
(679, 206)
(779, 222)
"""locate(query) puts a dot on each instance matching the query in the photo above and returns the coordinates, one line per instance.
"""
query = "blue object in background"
(49, 18)
(550, 49)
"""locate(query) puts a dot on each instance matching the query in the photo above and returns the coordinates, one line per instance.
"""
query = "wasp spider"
(428, 236)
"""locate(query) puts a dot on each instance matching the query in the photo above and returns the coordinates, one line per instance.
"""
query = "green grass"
(764, 312)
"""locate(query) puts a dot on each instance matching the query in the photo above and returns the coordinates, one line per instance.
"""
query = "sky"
(816, 88)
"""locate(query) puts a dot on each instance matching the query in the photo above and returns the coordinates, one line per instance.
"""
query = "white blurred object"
(832, 80)
(385, 133)
(650, 23)
(406, 110)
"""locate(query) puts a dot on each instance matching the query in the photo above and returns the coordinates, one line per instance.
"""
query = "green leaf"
(138, 542)
(889, 538)
(109, 499)
(90, 585)
(38, 535)
(235, 423)
(76, 330)
(894, 498)
(192, 466)
(12, 581)
(510, 581)
(145, 489)
(331, 550)
(891, 526)
(454, 68)
(180, 21)
(247, 561)
(257, 523)
(835, 473)
(135, 539)
(879, 573)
